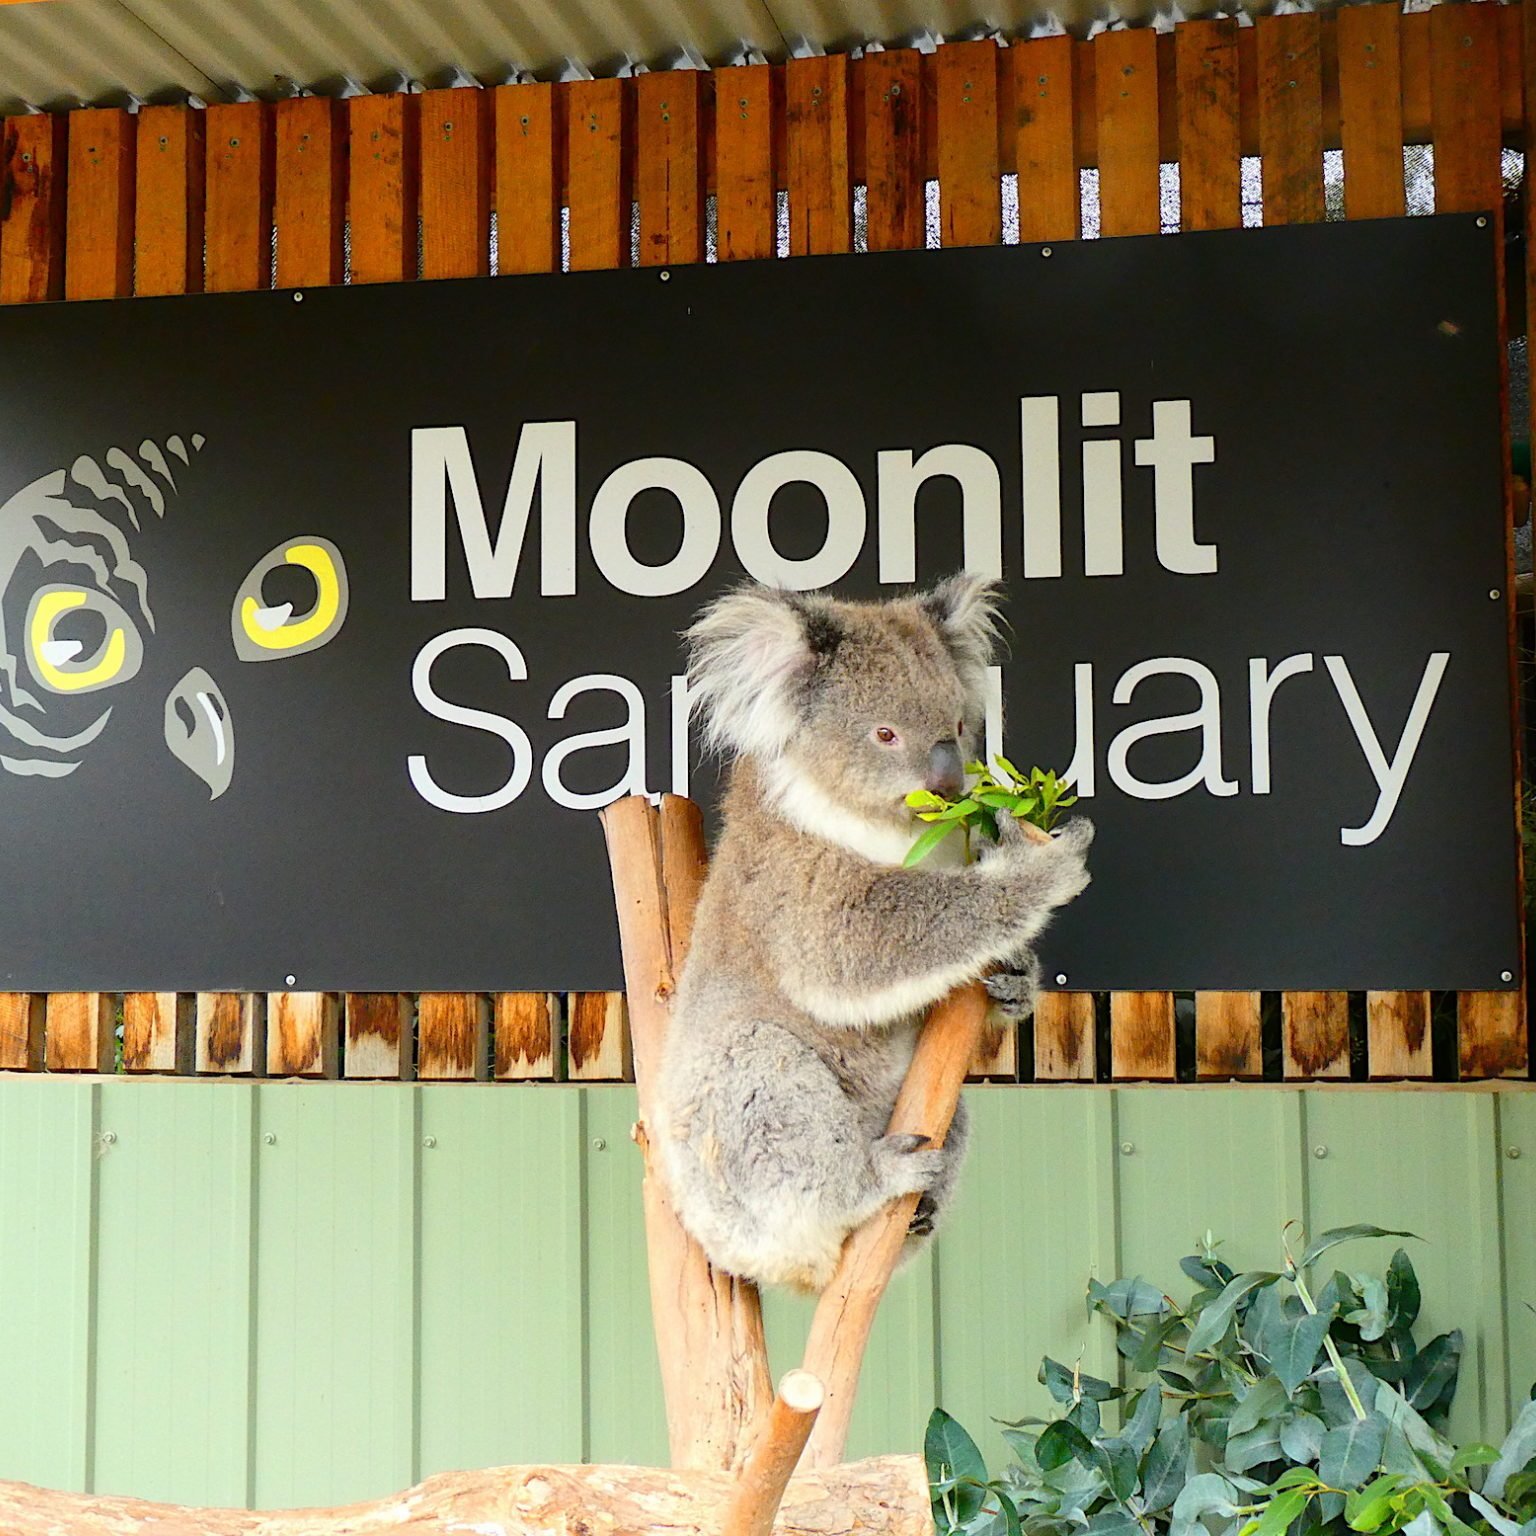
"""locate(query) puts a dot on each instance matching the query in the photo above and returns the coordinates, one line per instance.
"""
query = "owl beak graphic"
(200, 731)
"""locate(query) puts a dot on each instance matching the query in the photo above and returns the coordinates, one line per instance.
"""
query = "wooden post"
(760, 1488)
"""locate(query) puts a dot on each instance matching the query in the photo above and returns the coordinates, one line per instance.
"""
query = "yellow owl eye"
(62, 662)
(264, 631)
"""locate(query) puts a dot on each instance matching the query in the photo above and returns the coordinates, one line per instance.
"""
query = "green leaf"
(1167, 1467)
(926, 800)
(1152, 1341)
(1066, 1387)
(954, 1465)
(1113, 1522)
(927, 843)
(1336, 1235)
(1127, 1298)
(1216, 1317)
(1402, 1290)
(1207, 1494)
(1412, 1446)
(1352, 1452)
(1265, 1398)
(1062, 1442)
(1433, 1370)
(1515, 1454)
(1279, 1513)
(1382, 1487)
(1118, 1461)
(1296, 1346)
(1294, 1477)
(1371, 1316)
(1010, 1511)
(1333, 1402)
(1501, 1523)
(1013, 773)
(1141, 1428)
(1302, 1437)
(1253, 1448)
(1475, 1455)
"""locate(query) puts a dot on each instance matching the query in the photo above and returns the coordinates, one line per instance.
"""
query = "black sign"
(330, 618)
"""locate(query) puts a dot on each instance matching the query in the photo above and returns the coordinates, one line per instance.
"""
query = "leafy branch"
(1002, 790)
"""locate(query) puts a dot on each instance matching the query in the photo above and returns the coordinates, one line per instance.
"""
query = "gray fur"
(815, 956)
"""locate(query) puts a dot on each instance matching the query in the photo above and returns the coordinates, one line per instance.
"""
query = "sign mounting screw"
(664, 275)
(1319, 1152)
(289, 980)
(1061, 978)
(1482, 222)
(270, 1137)
(298, 297)
(1494, 594)
(1127, 1148)
(1045, 250)
(429, 1142)
(1506, 975)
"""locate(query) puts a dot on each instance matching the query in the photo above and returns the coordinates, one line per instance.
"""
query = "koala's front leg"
(931, 1206)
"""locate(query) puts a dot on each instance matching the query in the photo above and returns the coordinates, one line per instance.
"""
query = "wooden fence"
(104, 203)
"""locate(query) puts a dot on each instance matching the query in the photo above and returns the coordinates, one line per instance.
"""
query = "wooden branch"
(763, 1479)
(834, 1351)
(708, 1326)
(885, 1496)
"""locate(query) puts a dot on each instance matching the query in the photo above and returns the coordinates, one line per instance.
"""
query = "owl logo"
(76, 611)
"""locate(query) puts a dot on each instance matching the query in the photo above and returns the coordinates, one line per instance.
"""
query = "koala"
(815, 954)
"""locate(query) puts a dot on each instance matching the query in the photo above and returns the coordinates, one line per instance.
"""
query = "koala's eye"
(264, 631)
(886, 736)
(80, 640)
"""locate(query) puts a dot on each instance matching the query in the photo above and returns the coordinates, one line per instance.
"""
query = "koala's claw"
(922, 1221)
(1013, 993)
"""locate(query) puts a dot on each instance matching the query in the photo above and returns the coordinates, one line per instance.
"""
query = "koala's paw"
(923, 1217)
(907, 1165)
(1013, 992)
(1066, 861)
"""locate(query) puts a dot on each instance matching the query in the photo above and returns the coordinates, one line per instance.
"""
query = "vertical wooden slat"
(1315, 1034)
(238, 210)
(527, 1026)
(157, 1032)
(527, 178)
(1227, 1038)
(1291, 117)
(1397, 1032)
(597, 175)
(1125, 95)
(598, 1038)
(378, 1034)
(81, 1033)
(453, 1035)
(1066, 1044)
(669, 168)
(745, 178)
(32, 208)
(1467, 132)
(311, 195)
(1210, 147)
(1141, 1034)
(893, 149)
(457, 150)
(21, 1031)
(1045, 141)
(168, 201)
(302, 1034)
(230, 1028)
(98, 239)
(383, 180)
(816, 150)
(1371, 110)
(970, 189)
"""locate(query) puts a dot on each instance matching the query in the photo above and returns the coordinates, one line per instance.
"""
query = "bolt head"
(1512, 1152)
(1061, 978)
(1127, 1148)
(664, 275)
(429, 1141)
(1045, 250)
(108, 1138)
(599, 1144)
(1319, 1152)
(1494, 594)
(298, 298)
(1506, 975)
(289, 980)
(270, 1137)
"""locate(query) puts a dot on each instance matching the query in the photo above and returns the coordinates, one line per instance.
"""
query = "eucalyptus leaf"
(1066, 1386)
(1501, 1523)
(927, 843)
(1336, 1235)
(1215, 1319)
(1254, 1447)
(1264, 1398)
(1167, 1467)
(1422, 1524)
(1475, 1455)
(1301, 1437)
(1515, 1454)
(1279, 1513)
(1402, 1290)
(1431, 1451)
(1207, 1494)
(1113, 1522)
(1061, 1442)
(1370, 1317)
(1432, 1371)
(1352, 1452)
(955, 1464)
(1127, 1298)
(1297, 1344)
(1141, 1427)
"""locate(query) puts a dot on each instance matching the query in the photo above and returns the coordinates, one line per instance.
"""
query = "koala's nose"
(946, 769)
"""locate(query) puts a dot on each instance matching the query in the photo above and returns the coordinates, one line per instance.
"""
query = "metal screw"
(289, 980)
(298, 298)
(1482, 222)
(1512, 1152)
(1319, 1151)
(429, 1142)
(598, 1144)
(108, 1138)
(270, 1138)
(234, 143)
(1045, 250)
(1061, 978)
(664, 275)
(1494, 594)
(1506, 975)
(1127, 1148)
(896, 89)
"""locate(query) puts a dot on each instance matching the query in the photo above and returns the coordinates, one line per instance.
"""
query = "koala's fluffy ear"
(964, 607)
(750, 652)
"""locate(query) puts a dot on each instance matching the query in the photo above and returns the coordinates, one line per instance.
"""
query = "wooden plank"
(598, 1041)
(669, 168)
(1371, 111)
(1315, 1034)
(1227, 1042)
(1290, 84)
(383, 182)
(1066, 1044)
(1045, 139)
(21, 1031)
(1210, 147)
(302, 1034)
(311, 196)
(1125, 95)
(81, 1035)
(453, 1030)
(970, 189)
(168, 201)
(895, 211)
(32, 208)
(527, 178)
(1141, 1033)
(230, 1029)
(378, 1035)
(597, 175)
(157, 1032)
(457, 150)
(745, 175)
(238, 210)
(1397, 1034)
(527, 1026)
(98, 240)
(816, 156)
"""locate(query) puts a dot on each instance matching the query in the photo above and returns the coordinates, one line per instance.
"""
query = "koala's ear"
(750, 652)
(964, 607)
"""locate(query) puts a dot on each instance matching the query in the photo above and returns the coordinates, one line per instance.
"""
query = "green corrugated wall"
(272, 1294)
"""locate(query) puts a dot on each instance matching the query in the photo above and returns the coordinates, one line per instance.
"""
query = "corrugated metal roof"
(71, 52)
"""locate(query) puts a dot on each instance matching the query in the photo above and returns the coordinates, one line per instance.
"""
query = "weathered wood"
(816, 151)
(453, 1032)
(527, 178)
(970, 186)
(81, 1035)
(302, 1034)
(456, 148)
(168, 201)
(745, 175)
(1398, 1040)
(311, 196)
(383, 182)
(378, 1042)
(98, 240)
(763, 1479)
(845, 1312)
(1045, 139)
(598, 1038)
(1371, 110)
(1227, 1042)
(1066, 1044)
(884, 1496)
(597, 172)
(158, 1032)
(22, 1015)
(1141, 1035)
(231, 1029)
(1210, 146)
(1125, 87)
(894, 209)
(527, 1035)
(32, 208)
(669, 167)
(238, 211)
(1315, 1030)
(1290, 87)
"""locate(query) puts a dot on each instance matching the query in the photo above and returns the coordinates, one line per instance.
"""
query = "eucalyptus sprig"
(1038, 797)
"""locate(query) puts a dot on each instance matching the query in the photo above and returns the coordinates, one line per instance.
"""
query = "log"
(765, 1477)
(884, 1496)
